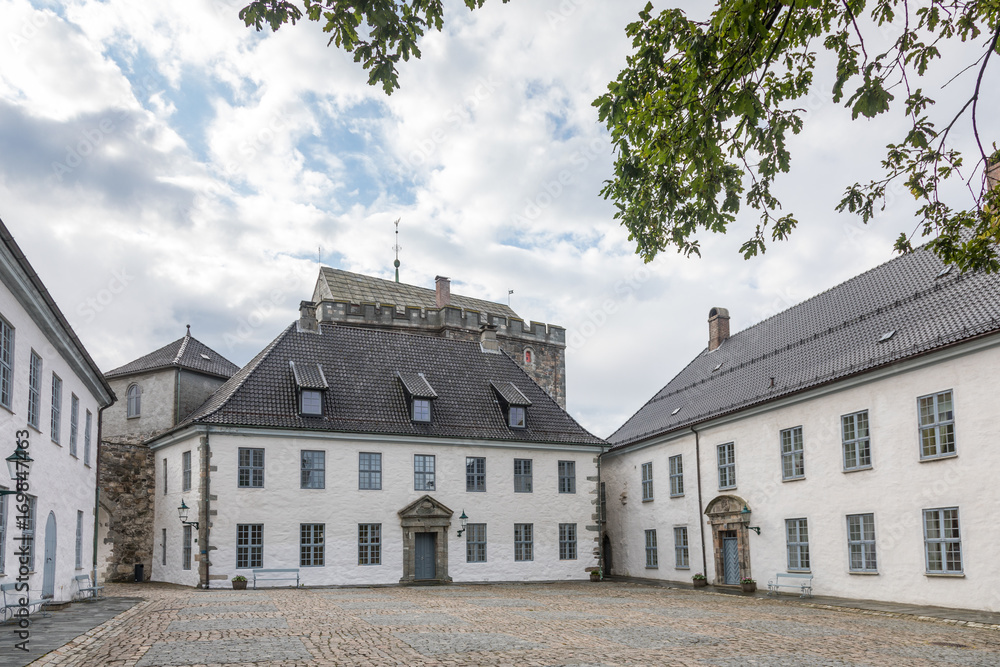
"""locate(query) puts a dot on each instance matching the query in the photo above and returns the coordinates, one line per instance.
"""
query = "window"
(529, 357)
(423, 472)
(792, 457)
(312, 474)
(133, 398)
(369, 544)
(522, 475)
(311, 402)
(651, 560)
(861, 542)
(6, 365)
(937, 425)
(186, 471)
(516, 416)
(369, 471)
(251, 468)
(186, 554)
(421, 410)
(857, 450)
(86, 439)
(604, 502)
(567, 477)
(647, 481)
(727, 465)
(797, 540)
(681, 554)
(74, 422)
(567, 541)
(56, 408)
(475, 543)
(943, 541)
(79, 540)
(312, 545)
(523, 541)
(163, 547)
(3, 529)
(475, 473)
(676, 476)
(249, 545)
(165, 470)
(34, 389)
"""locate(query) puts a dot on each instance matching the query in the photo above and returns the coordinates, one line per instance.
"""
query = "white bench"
(14, 600)
(278, 575)
(795, 580)
(84, 589)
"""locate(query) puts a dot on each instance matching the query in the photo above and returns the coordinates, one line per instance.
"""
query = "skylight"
(676, 410)
(887, 336)
(717, 367)
(206, 357)
(945, 271)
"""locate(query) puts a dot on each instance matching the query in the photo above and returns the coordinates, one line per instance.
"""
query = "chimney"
(488, 339)
(443, 285)
(307, 316)
(718, 327)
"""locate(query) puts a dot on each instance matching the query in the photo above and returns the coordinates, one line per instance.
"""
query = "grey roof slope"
(362, 367)
(827, 338)
(355, 288)
(187, 353)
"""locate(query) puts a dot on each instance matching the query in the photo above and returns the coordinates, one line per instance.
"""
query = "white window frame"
(797, 544)
(793, 461)
(858, 543)
(942, 544)
(567, 541)
(249, 545)
(250, 473)
(369, 544)
(726, 453)
(523, 476)
(424, 472)
(524, 542)
(652, 560)
(647, 481)
(682, 553)
(940, 423)
(475, 543)
(370, 473)
(676, 466)
(311, 475)
(856, 447)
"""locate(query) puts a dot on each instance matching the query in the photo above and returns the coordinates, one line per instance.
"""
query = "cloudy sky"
(163, 165)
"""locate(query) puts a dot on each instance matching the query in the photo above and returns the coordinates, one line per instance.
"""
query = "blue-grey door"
(730, 560)
(49, 571)
(424, 566)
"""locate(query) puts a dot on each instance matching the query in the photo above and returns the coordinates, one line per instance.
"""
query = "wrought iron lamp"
(465, 521)
(745, 513)
(18, 465)
(182, 512)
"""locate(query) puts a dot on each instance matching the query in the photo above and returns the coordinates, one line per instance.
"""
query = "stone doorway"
(425, 523)
(730, 539)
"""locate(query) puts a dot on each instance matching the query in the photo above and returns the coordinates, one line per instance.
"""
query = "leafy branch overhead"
(378, 32)
(702, 114)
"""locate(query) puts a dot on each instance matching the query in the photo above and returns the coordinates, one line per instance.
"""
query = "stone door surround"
(425, 515)
(725, 514)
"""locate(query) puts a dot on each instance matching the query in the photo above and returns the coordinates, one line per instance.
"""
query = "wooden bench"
(84, 589)
(795, 580)
(12, 601)
(278, 575)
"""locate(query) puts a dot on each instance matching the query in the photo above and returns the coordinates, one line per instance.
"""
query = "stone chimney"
(488, 339)
(718, 327)
(307, 316)
(443, 285)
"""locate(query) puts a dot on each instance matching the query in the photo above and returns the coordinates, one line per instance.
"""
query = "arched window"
(529, 356)
(134, 398)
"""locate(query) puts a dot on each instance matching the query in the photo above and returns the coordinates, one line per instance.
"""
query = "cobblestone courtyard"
(578, 624)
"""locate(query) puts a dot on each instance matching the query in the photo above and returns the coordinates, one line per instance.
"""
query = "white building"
(856, 431)
(350, 453)
(51, 396)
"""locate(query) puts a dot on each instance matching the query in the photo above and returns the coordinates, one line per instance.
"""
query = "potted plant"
(699, 580)
(596, 575)
(239, 582)
(749, 585)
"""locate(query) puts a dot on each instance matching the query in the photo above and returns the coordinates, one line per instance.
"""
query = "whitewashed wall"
(61, 483)
(896, 490)
(282, 505)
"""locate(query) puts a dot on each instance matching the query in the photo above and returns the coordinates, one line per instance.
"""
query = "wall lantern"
(465, 521)
(182, 512)
(18, 465)
(745, 514)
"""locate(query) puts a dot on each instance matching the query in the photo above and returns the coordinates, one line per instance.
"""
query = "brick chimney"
(307, 316)
(443, 286)
(488, 339)
(718, 327)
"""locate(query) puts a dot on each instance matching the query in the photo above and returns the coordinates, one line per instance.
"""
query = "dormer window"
(311, 383)
(419, 393)
(513, 402)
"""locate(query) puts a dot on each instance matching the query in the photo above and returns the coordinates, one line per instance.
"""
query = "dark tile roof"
(510, 393)
(363, 366)
(832, 336)
(417, 385)
(187, 353)
(356, 288)
(308, 375)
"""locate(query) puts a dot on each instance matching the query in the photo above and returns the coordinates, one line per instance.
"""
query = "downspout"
(97, 489)
(701, 520)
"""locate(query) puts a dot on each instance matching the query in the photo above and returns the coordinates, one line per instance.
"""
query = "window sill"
(858, 469)
(727, 488)
(678, 495)
(790, 571)
(793, 479)
(682, 567)
(56, 443)
(133, 417)
(652, 567)
(862, 573)
(928, 459)
(648, 500)
(35, 429)
(945, 575)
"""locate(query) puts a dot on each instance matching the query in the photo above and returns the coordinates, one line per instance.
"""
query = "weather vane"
(397, 248)
(509, 292)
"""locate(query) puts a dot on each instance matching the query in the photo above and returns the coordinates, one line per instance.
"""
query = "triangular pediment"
(424, 507)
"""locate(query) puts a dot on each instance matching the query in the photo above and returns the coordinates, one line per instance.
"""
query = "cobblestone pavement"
(531, 625)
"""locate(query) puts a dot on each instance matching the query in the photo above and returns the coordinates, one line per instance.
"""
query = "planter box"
(699, 583)
(749, 588)
(239, 585)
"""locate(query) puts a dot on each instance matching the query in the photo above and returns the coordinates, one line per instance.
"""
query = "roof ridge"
(183, 347)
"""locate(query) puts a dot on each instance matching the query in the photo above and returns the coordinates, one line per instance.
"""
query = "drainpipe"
(701, 520)
(97, 489)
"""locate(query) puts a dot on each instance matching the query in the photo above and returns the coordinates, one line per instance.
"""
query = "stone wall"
(194, 390)
(157, 406)
(126, 523)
